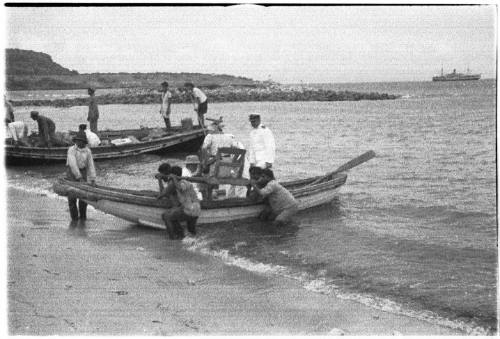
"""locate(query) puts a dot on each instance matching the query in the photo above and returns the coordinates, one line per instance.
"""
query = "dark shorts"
(202, 108)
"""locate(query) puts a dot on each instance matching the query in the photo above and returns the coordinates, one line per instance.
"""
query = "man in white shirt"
(192, 168)
(80, 168)
(17, 130)
(92, 138)
(166, 98)
(262, 146)
(216, 138)
(200, 101)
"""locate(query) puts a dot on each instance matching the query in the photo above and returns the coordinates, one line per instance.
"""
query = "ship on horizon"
(454, 76)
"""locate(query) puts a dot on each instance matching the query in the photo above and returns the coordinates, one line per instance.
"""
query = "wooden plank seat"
(228, 168)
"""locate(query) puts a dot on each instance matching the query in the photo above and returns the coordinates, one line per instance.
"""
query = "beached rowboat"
(142, 207)
(177, 139)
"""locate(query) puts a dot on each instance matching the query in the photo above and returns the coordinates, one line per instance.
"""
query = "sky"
(289, 44)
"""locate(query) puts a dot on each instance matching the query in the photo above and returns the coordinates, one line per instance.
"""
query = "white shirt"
(198, 94)
(187, 173)
(17, 130)
(215, 141)
(92, 138)
(262, 146)
(165, 99)
(81, 158)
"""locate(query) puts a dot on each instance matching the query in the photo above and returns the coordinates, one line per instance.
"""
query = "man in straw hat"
(262, 146)
(80, 168)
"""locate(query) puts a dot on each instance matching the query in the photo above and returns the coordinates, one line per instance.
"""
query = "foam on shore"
(322, 286)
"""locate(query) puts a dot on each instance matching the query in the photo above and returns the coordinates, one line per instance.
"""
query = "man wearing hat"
(93, 111)
(262, 146)
(166, 98)
(46, 129)
(80, 168)
(192, 168)
(215, 139)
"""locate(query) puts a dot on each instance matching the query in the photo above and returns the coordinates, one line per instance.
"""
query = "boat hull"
(182, 141)
(143, 208)
(457, 77)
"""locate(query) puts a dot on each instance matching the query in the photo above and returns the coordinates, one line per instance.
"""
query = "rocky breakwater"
(217, 94)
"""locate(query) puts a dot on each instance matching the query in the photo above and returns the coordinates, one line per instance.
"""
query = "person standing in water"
(80, 168)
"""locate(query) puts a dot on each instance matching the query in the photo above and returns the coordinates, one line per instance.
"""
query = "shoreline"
(109, 277)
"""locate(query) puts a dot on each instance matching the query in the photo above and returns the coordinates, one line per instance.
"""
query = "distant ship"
(456, 76)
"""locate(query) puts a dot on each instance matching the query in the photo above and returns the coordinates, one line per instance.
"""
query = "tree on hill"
(26, 62)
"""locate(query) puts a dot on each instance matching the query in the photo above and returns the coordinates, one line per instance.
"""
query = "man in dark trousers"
(189, 208)
(200, 101)
(80, 168)
(93, 111)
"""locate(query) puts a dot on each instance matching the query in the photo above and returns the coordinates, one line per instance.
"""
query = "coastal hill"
(30, 70)
(23, 62)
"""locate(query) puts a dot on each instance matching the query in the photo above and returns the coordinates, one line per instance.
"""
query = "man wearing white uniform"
(18, 130)
(262, 146)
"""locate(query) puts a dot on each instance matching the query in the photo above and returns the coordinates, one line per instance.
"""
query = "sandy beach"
(107, 277)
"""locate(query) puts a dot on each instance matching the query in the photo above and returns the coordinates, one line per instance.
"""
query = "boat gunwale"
(53, 154)
(112, 146)
(148, 197)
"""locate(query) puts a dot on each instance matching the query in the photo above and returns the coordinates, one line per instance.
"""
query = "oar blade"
(356, 161)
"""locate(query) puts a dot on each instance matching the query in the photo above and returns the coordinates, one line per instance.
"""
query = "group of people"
(19, 130)
(182, 197)
(198, 98)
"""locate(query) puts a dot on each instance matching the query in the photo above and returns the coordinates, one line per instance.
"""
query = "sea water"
(413, 231)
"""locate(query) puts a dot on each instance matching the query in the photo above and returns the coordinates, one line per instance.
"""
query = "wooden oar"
(348, 165)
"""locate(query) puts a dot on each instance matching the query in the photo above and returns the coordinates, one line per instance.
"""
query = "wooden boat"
(142, 207)
(177, 139)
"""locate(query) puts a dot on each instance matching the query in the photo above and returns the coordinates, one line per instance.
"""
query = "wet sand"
(107, 277)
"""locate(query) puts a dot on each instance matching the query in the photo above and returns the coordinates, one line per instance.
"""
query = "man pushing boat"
(281, 205)
(188, 209)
